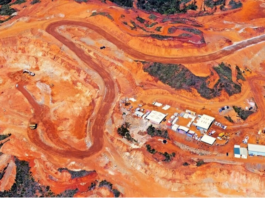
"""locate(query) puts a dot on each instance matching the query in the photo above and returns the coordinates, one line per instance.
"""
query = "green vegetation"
(19, 2)
(34, 1)
(4, 2)
(235, 4)
(148, 25)
(158, 29)
(152, 17)
(26, 186)
(124, 132)
(141, 20)
(167, 6)
(126, 3)
(102, 14)
(109, 186)
(2, 137)
(156, 132)
(168, 157)
(6, 10)
(76, 174)
(239, 75)
(179, 77)
(243, 114)
(213, 3)
(150, 150)
(229, 119)
(200, 162)
(92, 186)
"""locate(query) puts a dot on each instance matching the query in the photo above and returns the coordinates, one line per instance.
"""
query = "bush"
(185, 164)
(239, 75)
(126, 3)
(156, 132)
(200, 162)
(124, 132)
(141, 20)
(229, 119)
(6, 10)
(4, 2)
(243, 114)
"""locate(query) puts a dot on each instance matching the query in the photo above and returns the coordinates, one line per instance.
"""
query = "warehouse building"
(208, 139)
(255, 149)
(156, 117)
(204, 122)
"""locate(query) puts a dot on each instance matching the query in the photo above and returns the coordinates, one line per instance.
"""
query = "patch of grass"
(102, 14)
(213, 3)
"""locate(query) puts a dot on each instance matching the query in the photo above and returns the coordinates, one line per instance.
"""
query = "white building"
(175, 127)
(244, 153)
(157, 104)
(166, 107)
(208, 139)
(156, 117)
(132, 99)
(139, 114)
(182, 128)
(255, 149)
(204, 122)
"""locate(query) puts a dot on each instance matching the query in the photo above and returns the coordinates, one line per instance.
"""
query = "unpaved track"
(141, 56)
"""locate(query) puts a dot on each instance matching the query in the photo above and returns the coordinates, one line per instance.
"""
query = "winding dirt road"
(108, 99)
(141, 56)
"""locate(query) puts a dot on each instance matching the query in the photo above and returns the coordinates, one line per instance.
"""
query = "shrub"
(200, 162)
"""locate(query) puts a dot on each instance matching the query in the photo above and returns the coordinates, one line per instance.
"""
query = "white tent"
(208, 139)
(156, 117)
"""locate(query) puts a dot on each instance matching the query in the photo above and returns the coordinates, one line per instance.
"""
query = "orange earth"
(75, 97)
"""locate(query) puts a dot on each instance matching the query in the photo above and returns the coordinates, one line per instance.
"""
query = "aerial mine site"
(132, 98)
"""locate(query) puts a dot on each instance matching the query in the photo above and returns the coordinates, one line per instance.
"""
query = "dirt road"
(141, 56)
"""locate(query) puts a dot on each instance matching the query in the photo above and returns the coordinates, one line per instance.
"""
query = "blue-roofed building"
(237, 151)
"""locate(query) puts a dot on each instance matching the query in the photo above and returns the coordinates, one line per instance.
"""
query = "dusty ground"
(74, 97)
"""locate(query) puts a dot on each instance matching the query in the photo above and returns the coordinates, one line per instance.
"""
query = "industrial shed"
(208, 139)
(156, 117)
(175, 127)
(244, 153)
(237, 151)
(255, 149)
(139, 114)
(205, 122)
